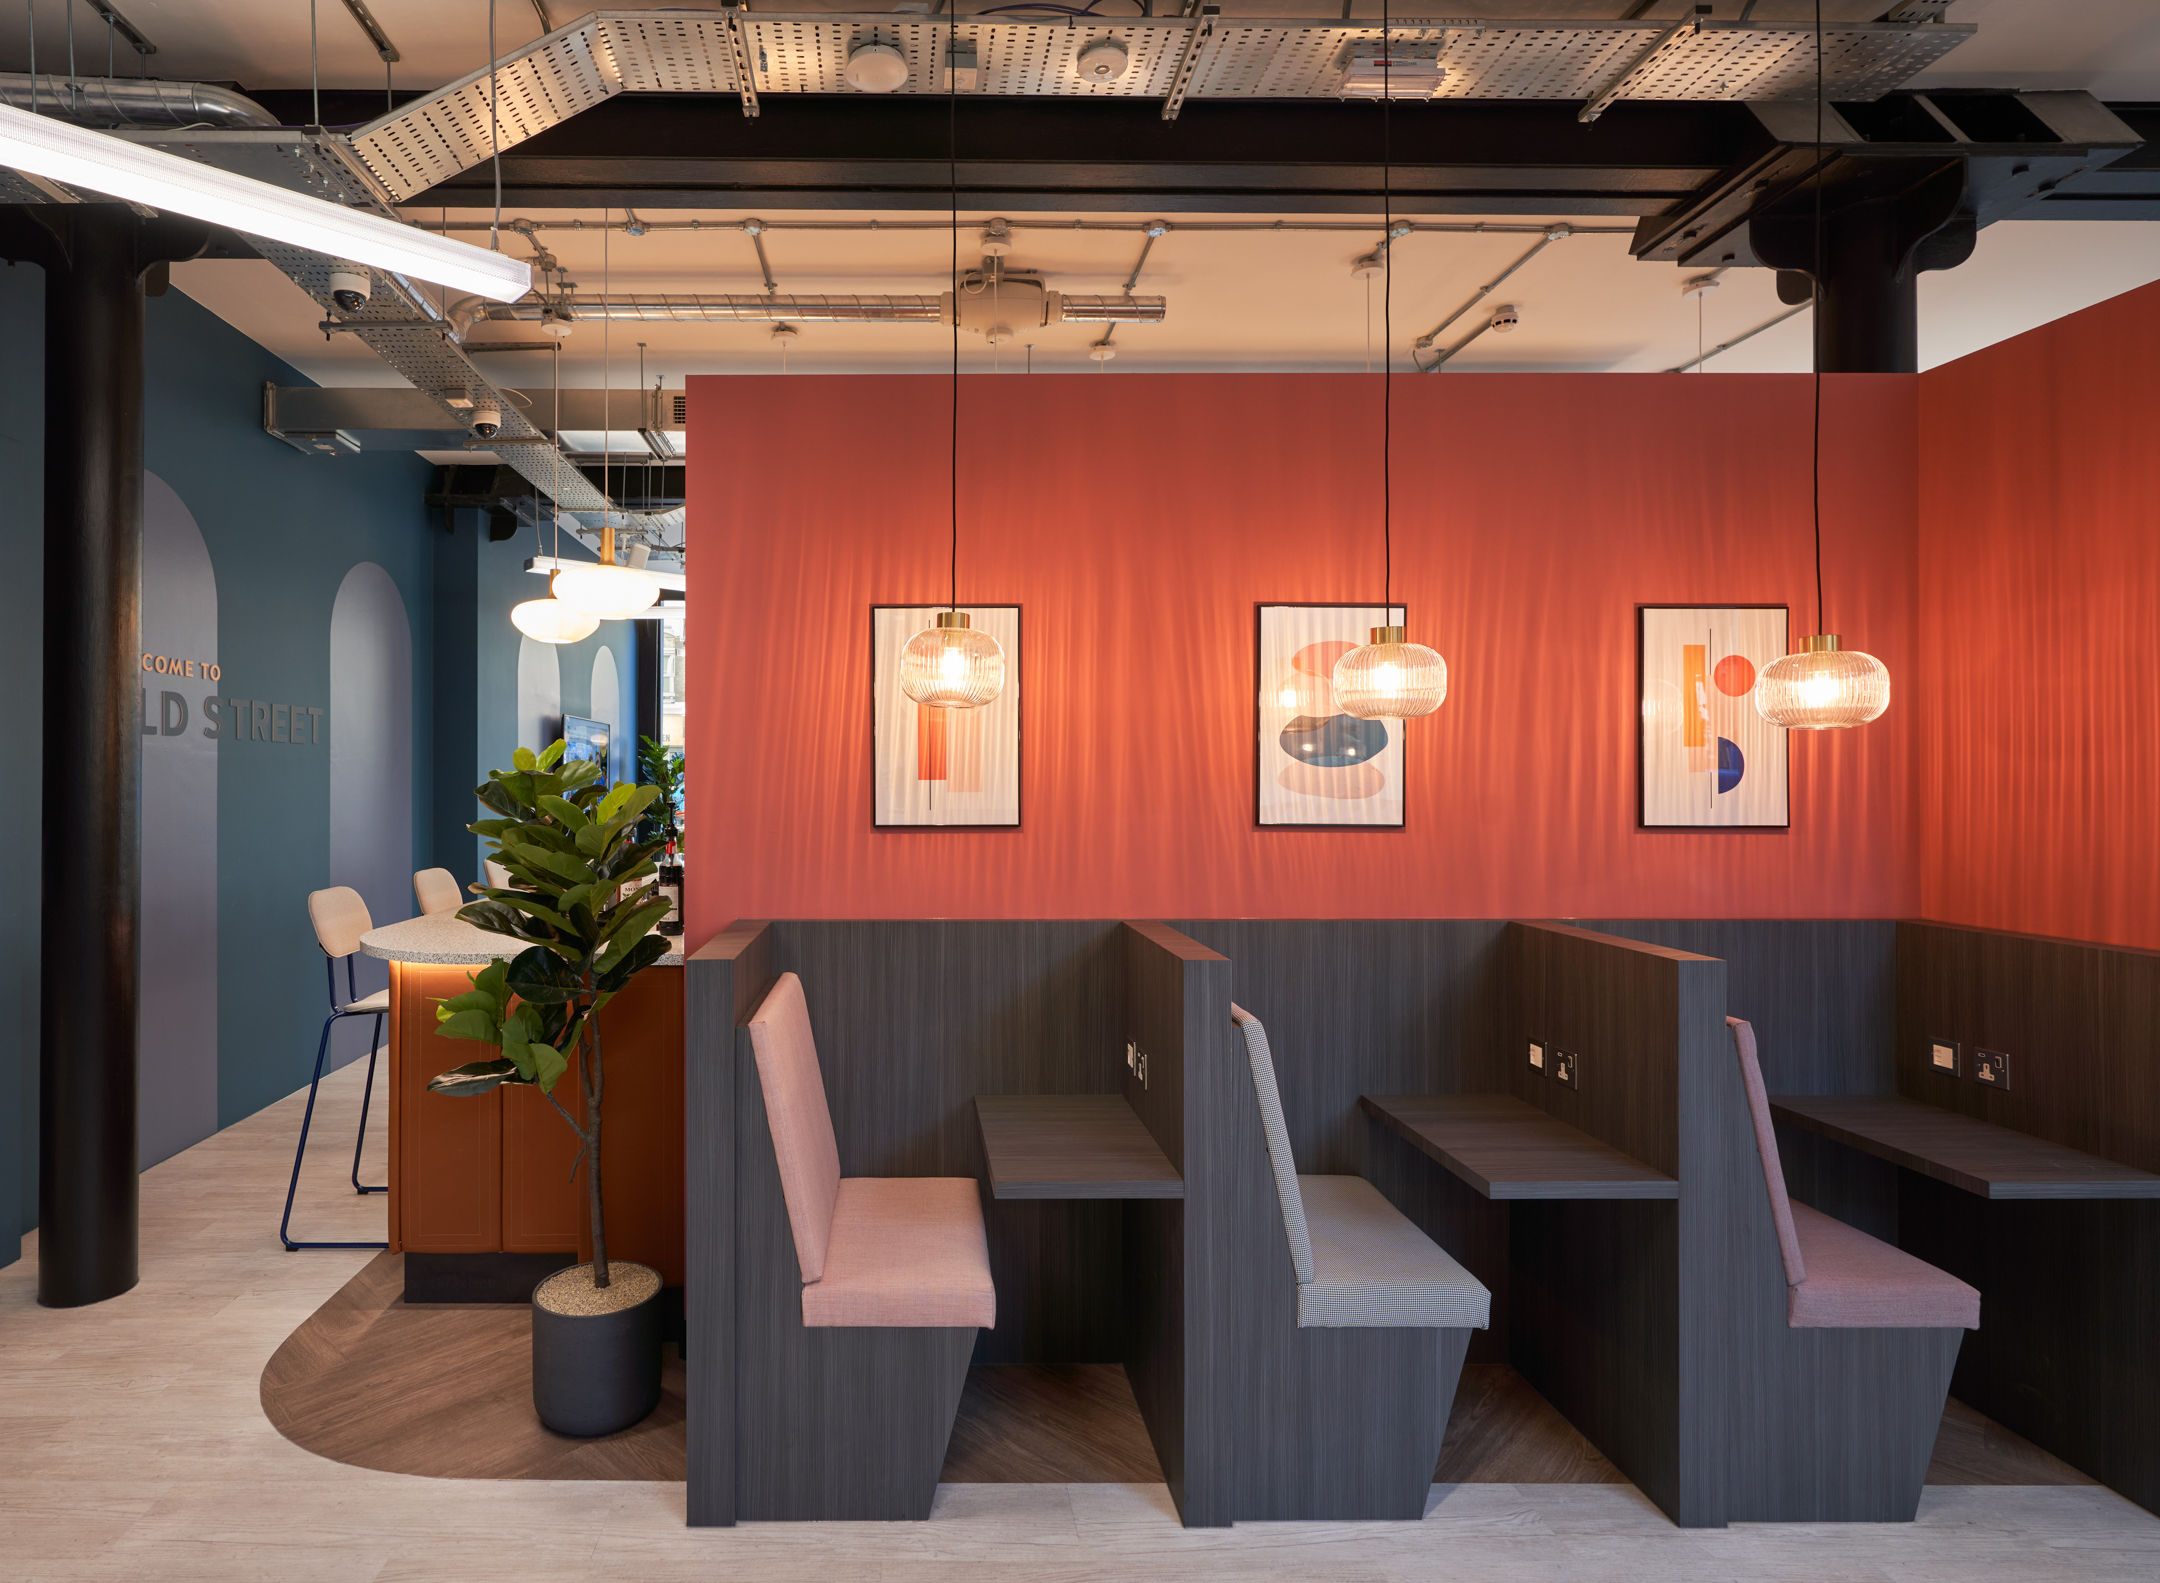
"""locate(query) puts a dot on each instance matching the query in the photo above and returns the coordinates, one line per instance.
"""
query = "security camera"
(486, 420)
(350, 285)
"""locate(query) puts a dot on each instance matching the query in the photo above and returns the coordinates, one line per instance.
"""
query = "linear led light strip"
(166, 182)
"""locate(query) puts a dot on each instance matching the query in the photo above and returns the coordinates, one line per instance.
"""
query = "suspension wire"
(952, 161)
(314, 65)
(495, 149)
(74, 93)
(607, 324)
(1821, 622)
(32, 4)
(1387, 328)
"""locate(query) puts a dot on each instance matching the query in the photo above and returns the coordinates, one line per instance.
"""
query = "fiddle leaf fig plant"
(572, 849)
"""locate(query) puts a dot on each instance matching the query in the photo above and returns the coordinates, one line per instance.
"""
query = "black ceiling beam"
(1290, 156)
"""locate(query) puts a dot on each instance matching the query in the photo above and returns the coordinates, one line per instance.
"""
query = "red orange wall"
(1138, 519)
(2038, 769)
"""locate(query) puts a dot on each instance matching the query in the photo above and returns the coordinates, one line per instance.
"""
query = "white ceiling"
(2111, 47)
(1238, 300)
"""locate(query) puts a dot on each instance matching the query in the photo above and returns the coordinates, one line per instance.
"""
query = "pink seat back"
(802, 1129)
(1758, 1102)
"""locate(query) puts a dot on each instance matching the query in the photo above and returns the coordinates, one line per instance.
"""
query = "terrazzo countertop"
(446, 940)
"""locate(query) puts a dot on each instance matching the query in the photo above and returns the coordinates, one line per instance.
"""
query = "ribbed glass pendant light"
(605, 590)
(951, 665)
(1388, 677)
(1825, 687)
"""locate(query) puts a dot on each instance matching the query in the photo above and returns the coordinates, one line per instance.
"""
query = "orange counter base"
(492, 1175)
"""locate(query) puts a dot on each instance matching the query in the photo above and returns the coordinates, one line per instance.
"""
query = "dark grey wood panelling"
(724, 981)
(2069, 1292)
(1821, 994)
(1381, 1007)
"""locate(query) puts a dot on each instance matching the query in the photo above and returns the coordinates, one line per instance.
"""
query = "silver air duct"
(121, 102)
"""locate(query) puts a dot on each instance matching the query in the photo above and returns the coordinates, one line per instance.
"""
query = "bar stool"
(340, 918)
(498, 877)
(436, 889)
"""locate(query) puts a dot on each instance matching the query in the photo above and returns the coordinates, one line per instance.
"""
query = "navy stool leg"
(367, 1094)
(307, 1119)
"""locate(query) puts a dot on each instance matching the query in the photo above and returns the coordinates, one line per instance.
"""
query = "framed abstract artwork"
(1709, 759)
(1317, 768)
(943, 768)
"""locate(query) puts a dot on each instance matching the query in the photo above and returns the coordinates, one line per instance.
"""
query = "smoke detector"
(1505, 318)
(1372, 74)
(1104, 60)
(875, 68)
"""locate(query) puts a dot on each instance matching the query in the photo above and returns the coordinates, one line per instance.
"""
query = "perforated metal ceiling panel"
(612, 52)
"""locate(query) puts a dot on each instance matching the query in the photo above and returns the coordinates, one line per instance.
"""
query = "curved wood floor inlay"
(444, 1390)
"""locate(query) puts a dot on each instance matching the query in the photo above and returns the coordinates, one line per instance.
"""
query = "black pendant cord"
(495, 138)
(1387, 329)
(952, 162)
(1822, 623)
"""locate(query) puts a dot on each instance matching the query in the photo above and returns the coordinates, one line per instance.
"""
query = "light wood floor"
(134, 1445)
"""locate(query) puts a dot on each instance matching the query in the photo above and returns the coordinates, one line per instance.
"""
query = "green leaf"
(549, 1064)
(463, 1082)
(524, 760)
(501, 917)
(592, 840)
(541, 979)
(550, 753)
(475, 1023)
(565, 811)
(640, 956)
(529, 904)
(497, 797)
(626, 926)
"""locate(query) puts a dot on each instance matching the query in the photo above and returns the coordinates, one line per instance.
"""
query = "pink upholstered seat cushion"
(1855, 1282)
(906, 1251)
(795, 1109)
(1758, 1104)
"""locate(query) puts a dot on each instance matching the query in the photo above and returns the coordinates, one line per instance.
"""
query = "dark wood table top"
(1507, 1148)
(1071, 1146)
(1966, 1152)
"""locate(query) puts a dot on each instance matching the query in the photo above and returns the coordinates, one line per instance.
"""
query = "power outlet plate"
(1946, 1057)
(1537, 1058)
(1991, 1068)
(1562, 1067)
(1136, 1062)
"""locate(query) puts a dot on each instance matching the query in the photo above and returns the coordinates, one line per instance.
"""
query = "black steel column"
(1883, 222)
(94, 256)
(92, 871)
(650, 639)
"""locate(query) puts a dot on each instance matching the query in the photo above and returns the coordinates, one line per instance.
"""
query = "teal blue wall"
(477, 582)
(282, 530)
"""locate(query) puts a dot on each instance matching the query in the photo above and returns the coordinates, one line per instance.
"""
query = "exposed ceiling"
(2109, 47)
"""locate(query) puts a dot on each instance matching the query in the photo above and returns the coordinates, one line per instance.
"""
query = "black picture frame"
(1015, 679)
(1642, 724)
(1401, 617)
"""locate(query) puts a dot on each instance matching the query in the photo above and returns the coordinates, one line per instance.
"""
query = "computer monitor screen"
(585, 739)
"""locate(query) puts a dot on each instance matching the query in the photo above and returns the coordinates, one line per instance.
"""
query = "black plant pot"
(594, 1374)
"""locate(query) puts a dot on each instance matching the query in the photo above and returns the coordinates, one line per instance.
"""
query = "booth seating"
(1352, 1413)
(436, 890)
(1871, 1380)
(849, 1399)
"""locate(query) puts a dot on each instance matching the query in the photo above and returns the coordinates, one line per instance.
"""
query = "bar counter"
(480, 1189)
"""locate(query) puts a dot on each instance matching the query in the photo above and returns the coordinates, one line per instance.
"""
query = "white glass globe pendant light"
(1388, 677)
(1825, 687)
(549, 620)
(951, 665)
(604, 590)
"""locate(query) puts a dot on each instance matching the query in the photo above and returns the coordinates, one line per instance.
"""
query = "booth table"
(1964, 1151)
(482, 1203)
(1071, 1146)
(1507, 1148)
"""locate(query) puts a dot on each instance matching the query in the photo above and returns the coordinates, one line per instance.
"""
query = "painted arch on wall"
(371, 772)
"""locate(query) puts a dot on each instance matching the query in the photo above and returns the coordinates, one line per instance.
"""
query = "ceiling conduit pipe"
(827, 309)
(1558, 233)
(118, 103)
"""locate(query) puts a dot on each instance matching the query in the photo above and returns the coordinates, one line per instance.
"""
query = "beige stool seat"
(436, 890)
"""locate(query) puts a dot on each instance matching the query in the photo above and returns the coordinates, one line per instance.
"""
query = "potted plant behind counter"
(663, 767)
(572, 850)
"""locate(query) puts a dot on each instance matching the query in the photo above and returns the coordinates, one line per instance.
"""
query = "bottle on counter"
(671, 886)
